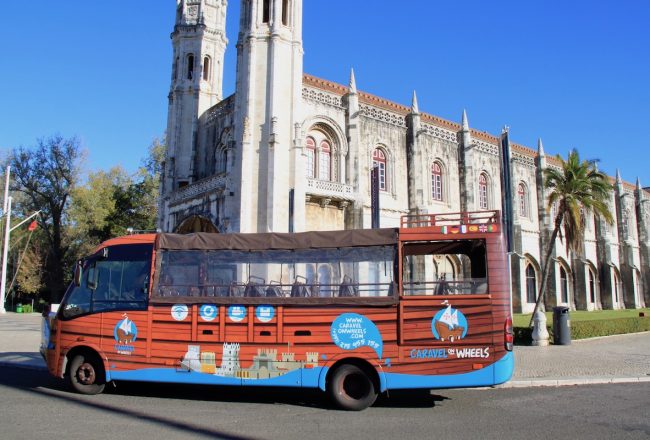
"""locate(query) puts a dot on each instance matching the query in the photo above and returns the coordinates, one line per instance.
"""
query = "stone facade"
(292, 152)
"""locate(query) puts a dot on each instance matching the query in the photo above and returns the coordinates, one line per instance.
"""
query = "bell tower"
(268, 108)
(199, 44)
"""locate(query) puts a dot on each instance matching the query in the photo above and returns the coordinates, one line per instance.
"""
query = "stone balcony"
(326, 193)
(214, 183)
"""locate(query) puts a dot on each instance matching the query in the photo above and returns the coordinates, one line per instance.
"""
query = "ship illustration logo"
(449, 325)
(125, 333)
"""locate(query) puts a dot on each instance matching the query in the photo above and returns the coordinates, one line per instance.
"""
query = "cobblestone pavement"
(622, 358)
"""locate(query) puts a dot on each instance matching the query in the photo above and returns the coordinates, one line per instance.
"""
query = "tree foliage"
(75, 216)
(46, 175)
(575, 190)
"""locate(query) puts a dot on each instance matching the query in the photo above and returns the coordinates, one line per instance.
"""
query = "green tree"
(92, 207)
(577, 188)
(46, 174)
(112, 201)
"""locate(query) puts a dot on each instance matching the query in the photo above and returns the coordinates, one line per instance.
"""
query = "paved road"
(36, 406)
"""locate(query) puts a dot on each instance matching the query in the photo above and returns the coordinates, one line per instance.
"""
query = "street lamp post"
(5, 252)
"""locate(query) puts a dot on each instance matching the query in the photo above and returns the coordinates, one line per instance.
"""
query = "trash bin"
(19, 308)
(561, 326)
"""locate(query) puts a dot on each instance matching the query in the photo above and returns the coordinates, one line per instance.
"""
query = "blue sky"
(574, 73)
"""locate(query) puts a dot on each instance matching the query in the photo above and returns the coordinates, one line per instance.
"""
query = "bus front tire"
(86, 374)
(351, 388)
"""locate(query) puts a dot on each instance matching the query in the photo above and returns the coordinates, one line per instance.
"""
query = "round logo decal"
(237, 313)
(179, 312)
(208, 312)
(449, 325)
(265, 313)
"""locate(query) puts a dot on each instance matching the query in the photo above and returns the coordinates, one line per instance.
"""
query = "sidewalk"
(613, 359)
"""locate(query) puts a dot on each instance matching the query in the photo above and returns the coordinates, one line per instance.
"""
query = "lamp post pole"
(5, 252)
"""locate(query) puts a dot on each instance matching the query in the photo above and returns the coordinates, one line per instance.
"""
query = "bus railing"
(274, 289)
(474, 286)
(450, 219)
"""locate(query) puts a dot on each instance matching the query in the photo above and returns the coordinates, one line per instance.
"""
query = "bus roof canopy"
(280, 241)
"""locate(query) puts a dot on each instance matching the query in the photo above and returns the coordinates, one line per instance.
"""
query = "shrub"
(590, 329)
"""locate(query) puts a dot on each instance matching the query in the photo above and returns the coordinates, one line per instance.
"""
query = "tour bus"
(354, 313)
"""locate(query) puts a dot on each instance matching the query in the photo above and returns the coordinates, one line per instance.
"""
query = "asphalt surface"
(37, 406)
(613, 359)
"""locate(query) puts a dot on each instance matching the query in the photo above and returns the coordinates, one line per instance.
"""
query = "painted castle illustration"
(265, 365)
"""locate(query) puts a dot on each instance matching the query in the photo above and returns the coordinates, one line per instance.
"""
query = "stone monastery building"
(292, 152)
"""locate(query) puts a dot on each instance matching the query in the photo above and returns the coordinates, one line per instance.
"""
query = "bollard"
(540, 334)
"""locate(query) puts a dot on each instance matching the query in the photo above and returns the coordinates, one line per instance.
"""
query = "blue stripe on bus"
(497, 373)
(494, 374)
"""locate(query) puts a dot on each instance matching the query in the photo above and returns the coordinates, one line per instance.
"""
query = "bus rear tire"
(351, 388)
(86, 374)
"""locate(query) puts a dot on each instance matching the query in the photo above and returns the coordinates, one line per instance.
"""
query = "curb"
(532, 383)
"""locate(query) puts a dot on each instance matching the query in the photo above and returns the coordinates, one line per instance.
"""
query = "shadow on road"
(41, 382)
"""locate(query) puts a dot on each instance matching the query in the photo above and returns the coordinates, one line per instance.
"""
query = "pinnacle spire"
(464, 121)
(638, 184)
(540, 147)
(353, 82)
(618, 177)
(414, 104)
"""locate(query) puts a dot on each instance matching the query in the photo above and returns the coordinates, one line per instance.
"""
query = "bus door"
(445, 310)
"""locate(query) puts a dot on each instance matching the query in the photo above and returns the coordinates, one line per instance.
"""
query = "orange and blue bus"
(354, 313)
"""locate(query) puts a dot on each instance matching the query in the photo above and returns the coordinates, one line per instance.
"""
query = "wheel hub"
(86, 374)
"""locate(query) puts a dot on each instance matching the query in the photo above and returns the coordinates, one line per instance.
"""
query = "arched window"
(522, 197)
(321, 154)
(190, 66)
(310, 158)
(564, 286)
(436, 181)
(379, 161)
(285, 12)
(592, 286)
(483, 191)
(266, 11)
(206, 68)
(325, 161)
(531, 284)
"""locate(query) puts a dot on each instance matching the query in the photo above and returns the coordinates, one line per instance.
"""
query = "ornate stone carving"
(322, 97)
(210, 184)
(521, 159)
(225, 107)
(333, 190)
(485, 147)
(440, 133)
(383, 115)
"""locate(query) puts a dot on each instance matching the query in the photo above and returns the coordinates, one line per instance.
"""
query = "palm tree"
(577, 188)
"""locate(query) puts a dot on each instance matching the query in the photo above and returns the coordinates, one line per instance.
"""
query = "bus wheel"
(351, 389)
(86, 374)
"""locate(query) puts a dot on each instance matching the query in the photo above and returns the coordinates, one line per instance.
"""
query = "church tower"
(199, 44)
(268, 164)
